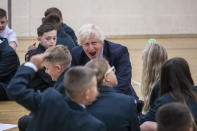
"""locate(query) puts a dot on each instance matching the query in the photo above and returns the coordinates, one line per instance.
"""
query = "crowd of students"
(85, 84)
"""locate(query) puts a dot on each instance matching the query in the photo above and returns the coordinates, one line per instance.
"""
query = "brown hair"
(76, 79)
(52, 19)
(45, 28)
(173, 117)
(100, 66)
(53, 10)
(176, 78)
(59, 54)
(3, 13)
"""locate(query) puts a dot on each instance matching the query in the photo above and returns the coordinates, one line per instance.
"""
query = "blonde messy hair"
(100, 66)
(90, 29)
(154, 55)
(59, 54)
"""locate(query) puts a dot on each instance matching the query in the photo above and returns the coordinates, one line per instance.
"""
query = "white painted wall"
(115, 17)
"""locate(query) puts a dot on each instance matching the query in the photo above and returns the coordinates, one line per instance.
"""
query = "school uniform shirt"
(9, 34)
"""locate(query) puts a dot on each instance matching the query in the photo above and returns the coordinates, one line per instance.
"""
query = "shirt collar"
(83, 106)
(101, 55)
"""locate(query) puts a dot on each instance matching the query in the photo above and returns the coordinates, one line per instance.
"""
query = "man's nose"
(91, 47)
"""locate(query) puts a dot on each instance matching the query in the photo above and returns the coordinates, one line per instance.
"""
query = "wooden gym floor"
(176, 46)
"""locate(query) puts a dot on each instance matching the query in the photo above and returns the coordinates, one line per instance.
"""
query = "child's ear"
(6, 21)
(39, 38)
(106, 78)
(58, 67)
(86, 93)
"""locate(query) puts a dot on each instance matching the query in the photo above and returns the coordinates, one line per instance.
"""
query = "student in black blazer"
(94, 46)
(9, 62)
(47, 35)
(176, 85)
(67, 29)
(62, 37)
(50, 110)
(116, 110)
(59, 70)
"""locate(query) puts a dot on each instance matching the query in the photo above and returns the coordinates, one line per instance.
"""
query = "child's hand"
(33, 46)
(37, 60)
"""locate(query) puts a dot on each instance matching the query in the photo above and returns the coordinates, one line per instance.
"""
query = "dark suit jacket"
(84, 119)
(167, 98)
(42, 80)
(118, 56)
(70, 32)
(50, 110)
(117, 111)
(9, 62)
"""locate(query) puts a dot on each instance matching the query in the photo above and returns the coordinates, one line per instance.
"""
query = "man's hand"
(37, 60)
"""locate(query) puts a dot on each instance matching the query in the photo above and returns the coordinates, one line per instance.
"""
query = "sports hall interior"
(128, 22)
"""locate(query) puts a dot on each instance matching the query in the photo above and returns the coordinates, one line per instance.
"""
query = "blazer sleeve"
(76, 56)
(150, 115)
(123, 71)
(18, 91)
(8, 65)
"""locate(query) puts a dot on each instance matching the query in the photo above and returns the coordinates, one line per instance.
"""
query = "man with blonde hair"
(94, 45)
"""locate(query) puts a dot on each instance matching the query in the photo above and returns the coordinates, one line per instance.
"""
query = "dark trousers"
(3, 95)
(24, 121)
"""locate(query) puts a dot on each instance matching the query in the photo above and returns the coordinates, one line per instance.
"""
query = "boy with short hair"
(62, 37)
(5, 31)
(51, 111)
(64, 26)
(47, 35)
(56, 62)
(174, 117)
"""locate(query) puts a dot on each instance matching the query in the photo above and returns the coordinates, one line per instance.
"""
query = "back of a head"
(45, 28)
(100, 66)
(154, 55)
(173, 117)
(176, 78)
(52, 19)
(53, 10)
(78, 78)
(89, 29)
(2, 13)
(59, 54)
